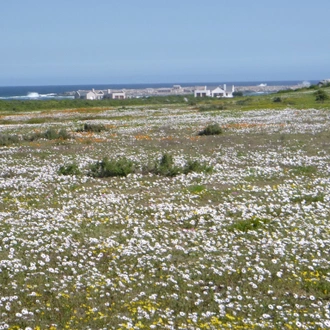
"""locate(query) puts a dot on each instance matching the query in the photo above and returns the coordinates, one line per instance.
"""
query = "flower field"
(244, 246)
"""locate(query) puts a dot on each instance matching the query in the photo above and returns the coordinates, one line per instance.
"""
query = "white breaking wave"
(35, 96)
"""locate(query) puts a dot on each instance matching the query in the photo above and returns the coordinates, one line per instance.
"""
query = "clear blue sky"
(45, 42)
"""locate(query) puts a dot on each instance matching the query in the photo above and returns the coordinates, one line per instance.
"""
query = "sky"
(63, 42)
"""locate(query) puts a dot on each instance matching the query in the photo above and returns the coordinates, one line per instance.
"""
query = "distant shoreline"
(67, 91)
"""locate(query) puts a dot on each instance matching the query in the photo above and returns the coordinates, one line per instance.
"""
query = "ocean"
(59, 91)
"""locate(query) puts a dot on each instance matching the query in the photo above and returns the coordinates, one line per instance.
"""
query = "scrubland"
(245, 245)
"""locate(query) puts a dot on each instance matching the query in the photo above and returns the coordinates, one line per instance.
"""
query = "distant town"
(222, 91)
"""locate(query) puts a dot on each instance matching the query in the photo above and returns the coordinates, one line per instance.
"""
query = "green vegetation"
(244, 226)
(196, 166)
(70, 169)
(238, 93)
(308, 199)
(33, 105)
(321, 96)
(7, 139)
(166, 166)
(95, 128)
(307, 170)
(213, 129)
(211, 107)
(197, 189)
(49, 134)
(277, 99)
(111, 167)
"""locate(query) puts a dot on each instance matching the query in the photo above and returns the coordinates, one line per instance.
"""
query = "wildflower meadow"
(131, 218)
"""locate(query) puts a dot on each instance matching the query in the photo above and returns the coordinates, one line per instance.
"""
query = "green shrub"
(213, 129)
(6, 139)
(196, 166)
(70, 169)
(110, 168)
(277, 99)
(63, 134)
(166, 166)
(95, 128)
(321, 96)
(49, 134)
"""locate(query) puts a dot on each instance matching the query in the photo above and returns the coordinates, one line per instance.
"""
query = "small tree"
(321, 96)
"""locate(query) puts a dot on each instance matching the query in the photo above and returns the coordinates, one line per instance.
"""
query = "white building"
(118, 95)
(202, 92)
(89, 95)
(217, 92)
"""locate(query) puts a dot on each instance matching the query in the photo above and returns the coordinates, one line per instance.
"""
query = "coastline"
(140, 90)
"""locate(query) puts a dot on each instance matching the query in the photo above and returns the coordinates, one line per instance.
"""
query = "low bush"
(165, 166)
(277, 99)
(95, 128)
(213, 129)
(110, 168)
(196, 166)
(70, 169)
(7, 139)
(49, 134)
(321, 96)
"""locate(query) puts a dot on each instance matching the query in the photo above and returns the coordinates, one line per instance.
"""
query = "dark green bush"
(321, 96)
(277, 99)
(166, 166)
(213, 129)
(110, 168)
(70, 169)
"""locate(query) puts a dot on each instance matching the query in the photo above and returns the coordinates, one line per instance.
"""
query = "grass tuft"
(253, 223)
